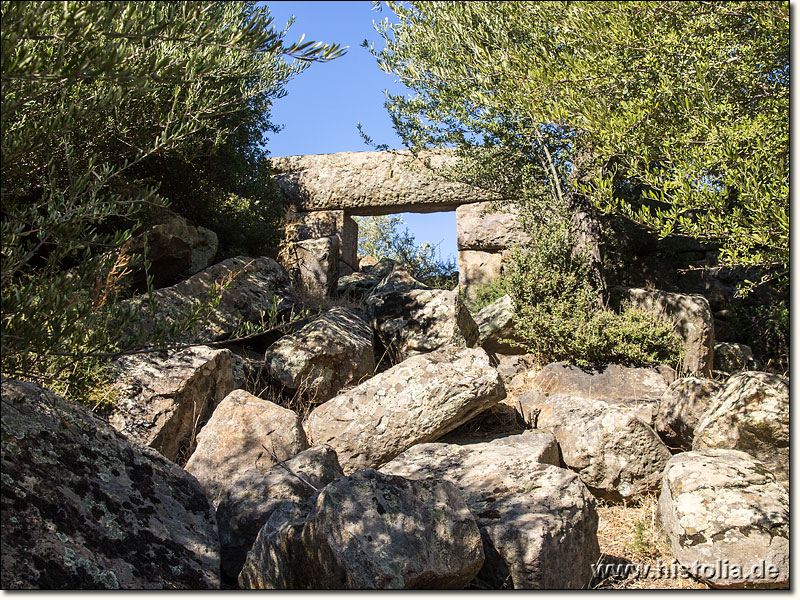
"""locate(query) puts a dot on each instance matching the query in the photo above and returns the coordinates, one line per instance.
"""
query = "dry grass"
(630, 534)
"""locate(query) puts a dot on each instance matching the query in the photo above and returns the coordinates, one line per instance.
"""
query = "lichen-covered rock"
(681, 408)
(161, 400)
(495, 323)
(485, 226)
(417, 401)
(251, 500)
(85, 508)
(233, 441)
(732, 358)
(371, 531)
(636, 389)
(173, 248)
(616, 454)
(477, 268)
(314, 266)
(691, 313)
(411, 319)
(750, 413)
(372, 183)
(727, 519)
(248, 288)
(325, 223)
(534, 517)
(332, 351)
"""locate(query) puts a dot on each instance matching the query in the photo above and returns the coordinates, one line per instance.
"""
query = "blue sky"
(325, 103)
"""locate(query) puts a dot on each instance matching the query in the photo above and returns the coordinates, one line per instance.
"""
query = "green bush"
(557, 312)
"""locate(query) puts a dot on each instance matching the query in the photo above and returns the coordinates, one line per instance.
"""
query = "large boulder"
(160, 401)
(691, 313)
(637, 389)
(247, 289)
(750, 413)
(314, 266)
(325, 223)
(244, 433)
(726, 519)
(250, 501)
(534, 516)
(414, 402)
(410, 318)
(732, 358)
(83, 507)
(371, 531)
(495, 323)
(477, 268)
(173, 248)
(486, 226)
(681, 407)
(616, 454)
(332, 351)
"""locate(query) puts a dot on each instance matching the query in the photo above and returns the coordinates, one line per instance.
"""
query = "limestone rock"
(372, 183)
(417, 401)
(750, 413)
(727, 519)
(174, 248)
(534, 517)
(477, 268)
(496, 322)
(254, 286)
(616, 454)
(254, 498)
(85, 508)
(232, 442)
(681, 408)
(371, 531)
(161, 400)
(357, 286)
(410, 318)
(693, 320)
(329, 353)
(732, 358)
(637, 389)
(484, 226)
(314, 265)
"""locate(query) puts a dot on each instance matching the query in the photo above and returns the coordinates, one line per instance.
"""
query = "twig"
(283, 464)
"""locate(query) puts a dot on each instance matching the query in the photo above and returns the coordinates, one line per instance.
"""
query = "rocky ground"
(392, 442)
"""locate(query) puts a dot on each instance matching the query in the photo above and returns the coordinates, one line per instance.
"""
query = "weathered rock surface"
(332, 351)
(174, 249)
(496, 322)
(314, 266)
(161, 401)
(253, 285)
(732, 358)
(477, 268)
(357, 286)
(410, 319)
(616, 454)
(727, 519)
(232, 443)
(371, 531)
(260, 495)
(693, 320)
(750, 413)
(681, 408)
(485, 226)
(372, 183)
(633, 388)
(534, 517)
(320, 224)
(85, 508)
(414, 402)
